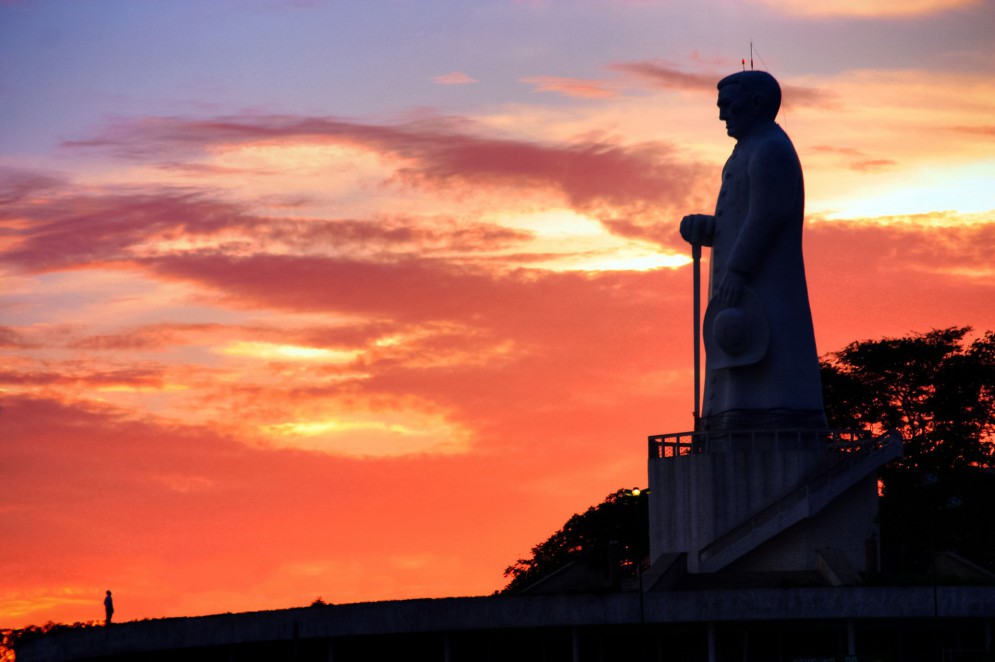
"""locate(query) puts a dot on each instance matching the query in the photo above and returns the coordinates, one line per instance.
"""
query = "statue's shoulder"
(774, 138)
(773, 148)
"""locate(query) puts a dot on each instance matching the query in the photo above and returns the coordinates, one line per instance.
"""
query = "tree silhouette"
(11, 639)
(938, 391)
(932, 388)
(613, 533)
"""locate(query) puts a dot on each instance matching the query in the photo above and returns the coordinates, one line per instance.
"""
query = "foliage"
(622, 518)
(930, 387)
(938, 391)
(11, 639)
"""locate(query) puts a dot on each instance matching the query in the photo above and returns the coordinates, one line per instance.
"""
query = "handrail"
(681, 444)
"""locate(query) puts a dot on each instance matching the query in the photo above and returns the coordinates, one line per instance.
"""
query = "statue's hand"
(697, 228)
(731, 288)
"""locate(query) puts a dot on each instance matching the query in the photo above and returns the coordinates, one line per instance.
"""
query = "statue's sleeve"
(776, 188)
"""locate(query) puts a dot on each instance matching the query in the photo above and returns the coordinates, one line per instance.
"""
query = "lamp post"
(637, 492)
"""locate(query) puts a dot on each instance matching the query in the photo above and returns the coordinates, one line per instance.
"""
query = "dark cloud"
(70, 231)
(17, 185)
(77, 374)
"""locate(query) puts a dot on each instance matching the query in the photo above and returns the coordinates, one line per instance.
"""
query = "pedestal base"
(765, 501)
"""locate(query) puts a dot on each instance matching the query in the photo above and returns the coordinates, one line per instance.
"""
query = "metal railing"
(680, 444)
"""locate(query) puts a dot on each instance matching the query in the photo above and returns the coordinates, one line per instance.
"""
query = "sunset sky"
(361, 300)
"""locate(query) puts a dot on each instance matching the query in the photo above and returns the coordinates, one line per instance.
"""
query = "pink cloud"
(64, 232)
(454, 78)
(444, 152)
(665, 75)
(17, 184)
(68, 231)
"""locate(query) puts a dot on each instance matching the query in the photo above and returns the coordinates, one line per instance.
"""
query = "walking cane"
(696, 258)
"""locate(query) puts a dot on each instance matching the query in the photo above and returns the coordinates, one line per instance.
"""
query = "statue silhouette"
(761, 366)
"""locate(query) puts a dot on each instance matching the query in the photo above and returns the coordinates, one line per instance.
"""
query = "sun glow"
(398, 433)
(630, 258)
(271, 351)
(964, 189)
(571, 241)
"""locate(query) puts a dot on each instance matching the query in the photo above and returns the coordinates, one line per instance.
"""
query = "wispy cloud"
(664, 74)
(572, 87)
(986, 130)
(856, 159)
(454, 78)
(667, 76)
(70, 231)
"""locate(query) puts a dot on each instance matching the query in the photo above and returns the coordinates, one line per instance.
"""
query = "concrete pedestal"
(765, 501)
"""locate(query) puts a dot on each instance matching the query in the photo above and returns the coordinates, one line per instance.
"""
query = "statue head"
(748, 99)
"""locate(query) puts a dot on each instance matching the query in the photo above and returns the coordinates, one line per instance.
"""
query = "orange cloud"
(987, 130)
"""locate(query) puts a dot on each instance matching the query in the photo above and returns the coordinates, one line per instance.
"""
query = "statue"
(761, 365)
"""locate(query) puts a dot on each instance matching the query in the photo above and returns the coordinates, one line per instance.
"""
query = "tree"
(932, 388)
(938, 391)
(616, 531)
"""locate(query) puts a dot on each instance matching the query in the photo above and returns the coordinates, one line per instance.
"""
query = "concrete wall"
(697, 498)
(845, 525)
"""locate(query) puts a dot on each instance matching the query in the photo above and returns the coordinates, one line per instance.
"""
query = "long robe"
(758, 233)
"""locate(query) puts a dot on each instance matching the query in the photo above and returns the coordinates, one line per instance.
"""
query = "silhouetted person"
(761, 368)
(108, 608)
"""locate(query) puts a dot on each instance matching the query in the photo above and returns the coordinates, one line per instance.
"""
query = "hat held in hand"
(735, 335)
